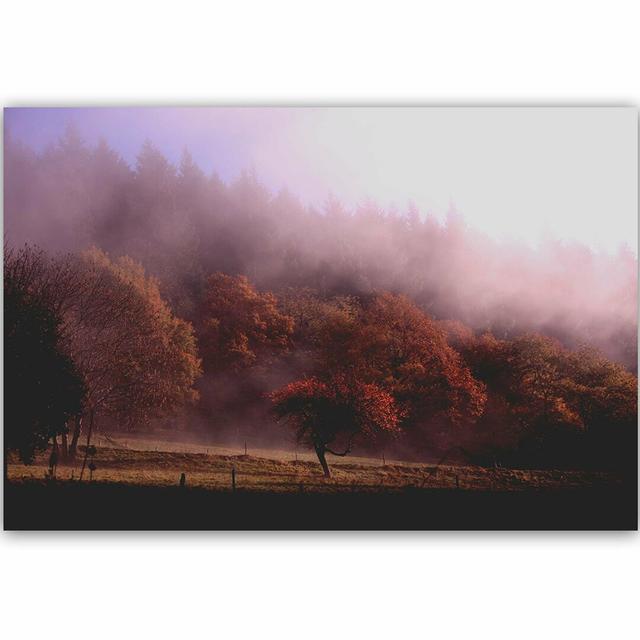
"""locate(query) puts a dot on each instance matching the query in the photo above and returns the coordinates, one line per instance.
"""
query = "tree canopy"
(240, 323)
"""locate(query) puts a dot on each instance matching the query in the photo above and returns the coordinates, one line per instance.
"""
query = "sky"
(514, 173)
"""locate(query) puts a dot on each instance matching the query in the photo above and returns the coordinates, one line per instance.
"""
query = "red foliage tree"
(325, 413)
(394, 344)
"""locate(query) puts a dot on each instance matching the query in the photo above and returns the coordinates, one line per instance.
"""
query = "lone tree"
(43, 388)
(330, 414)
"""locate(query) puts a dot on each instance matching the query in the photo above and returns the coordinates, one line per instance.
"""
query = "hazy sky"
(570, 173)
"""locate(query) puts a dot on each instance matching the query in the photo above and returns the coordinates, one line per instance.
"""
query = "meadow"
(156, 462)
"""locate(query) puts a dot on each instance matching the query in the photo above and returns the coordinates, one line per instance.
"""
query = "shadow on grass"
(39, 505)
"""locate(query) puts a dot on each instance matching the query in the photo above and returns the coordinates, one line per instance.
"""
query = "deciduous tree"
(43, 388)
(327, 414)
(135, 358)
(396, 345)
(239, 324)
(138, 360)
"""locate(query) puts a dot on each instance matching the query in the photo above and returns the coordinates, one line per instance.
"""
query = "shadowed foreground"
(62, 505)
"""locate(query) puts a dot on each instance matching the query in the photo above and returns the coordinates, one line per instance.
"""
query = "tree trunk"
(86, 451)
(64, 447)
(53, 459)
(77, 428)
(321, 452)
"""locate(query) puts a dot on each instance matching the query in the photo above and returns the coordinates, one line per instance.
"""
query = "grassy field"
(146, 462)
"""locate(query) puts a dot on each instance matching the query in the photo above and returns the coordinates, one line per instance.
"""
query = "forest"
(154, 298)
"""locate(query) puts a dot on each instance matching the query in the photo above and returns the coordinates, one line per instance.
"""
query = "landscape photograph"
(320, 318)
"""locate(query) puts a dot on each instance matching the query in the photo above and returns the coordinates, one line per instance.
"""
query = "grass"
(148, 462)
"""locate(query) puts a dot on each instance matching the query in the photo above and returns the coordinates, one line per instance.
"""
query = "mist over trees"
(184, 226)
(418, 334)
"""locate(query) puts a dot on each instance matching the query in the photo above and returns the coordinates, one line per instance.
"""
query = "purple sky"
(221, 144)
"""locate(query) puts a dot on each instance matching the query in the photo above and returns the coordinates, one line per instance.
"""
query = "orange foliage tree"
(240, 324)
(136, 358)
(394, 344)
(166, 364)
(536, 366)
(393, 348)
(325, 413)
(605, 395)
(548, 404)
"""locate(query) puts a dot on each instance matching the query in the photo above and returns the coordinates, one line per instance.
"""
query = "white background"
(228, 586)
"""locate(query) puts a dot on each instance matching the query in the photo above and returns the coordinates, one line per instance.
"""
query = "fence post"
(183, 479)
(457, 482)
(233, 478)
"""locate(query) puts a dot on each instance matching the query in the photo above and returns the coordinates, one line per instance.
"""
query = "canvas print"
(320, 318)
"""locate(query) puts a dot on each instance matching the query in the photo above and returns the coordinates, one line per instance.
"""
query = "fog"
(515, 173)
(182, 223)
